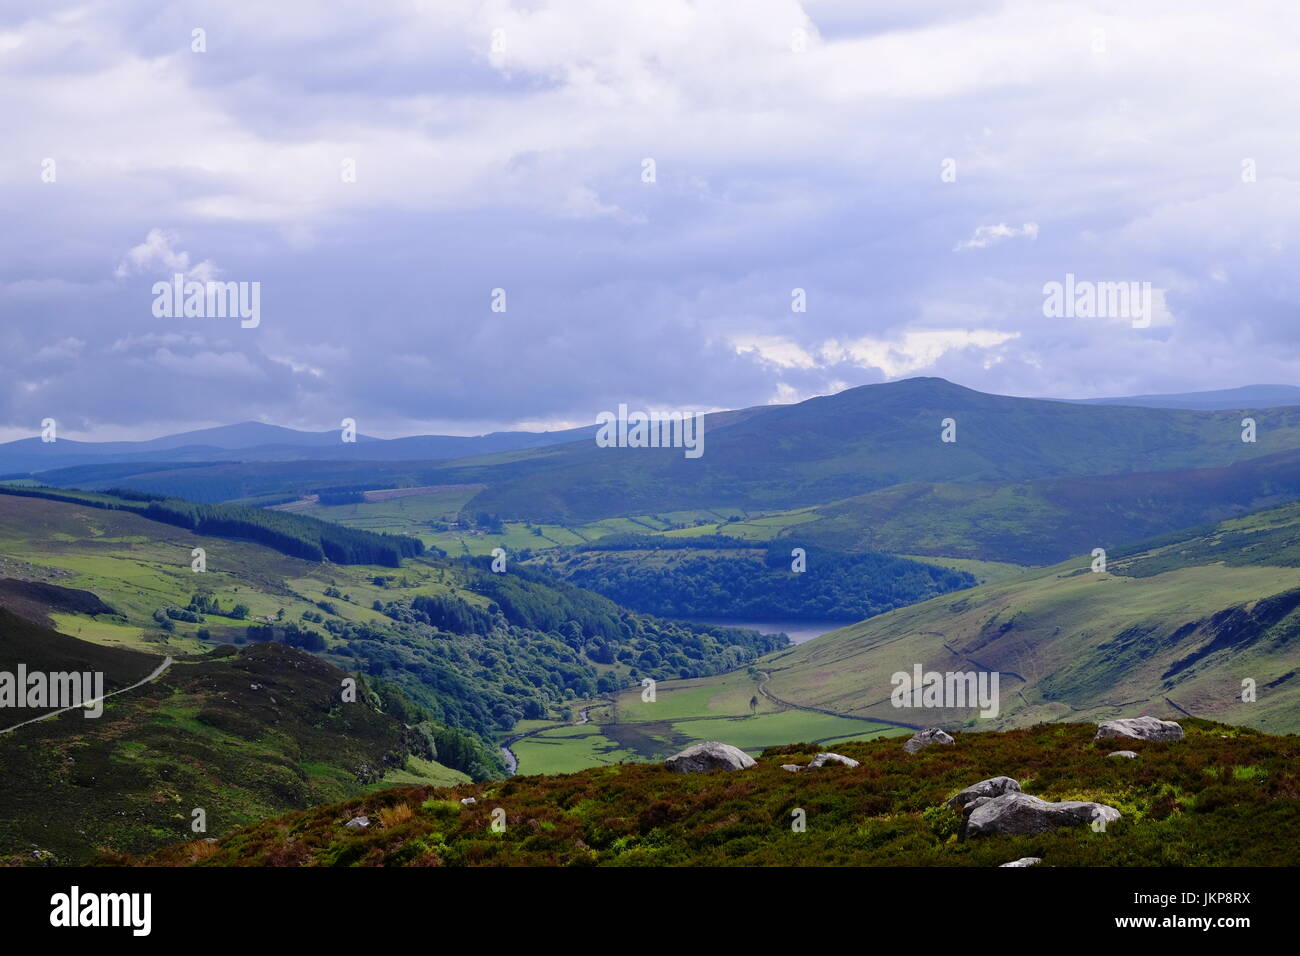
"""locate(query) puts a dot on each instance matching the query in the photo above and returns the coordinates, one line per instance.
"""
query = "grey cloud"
(775, 170)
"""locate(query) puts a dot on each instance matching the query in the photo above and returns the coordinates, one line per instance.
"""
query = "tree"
(753, 705)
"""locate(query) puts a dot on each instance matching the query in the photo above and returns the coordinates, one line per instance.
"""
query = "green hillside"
(860, 440)
(1046, 520)
(295, 535)
(1177, 624)
(242, 736)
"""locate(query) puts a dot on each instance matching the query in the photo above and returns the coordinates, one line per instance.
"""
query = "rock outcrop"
(822, 759)
(1016, 814)
(984, 790)
(1122, 753)
(710, 755)
(926, 738)
(1024, 861)
(1139, 728)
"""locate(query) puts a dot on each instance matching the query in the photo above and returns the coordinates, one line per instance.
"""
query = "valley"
(793, 435)
(490, 646)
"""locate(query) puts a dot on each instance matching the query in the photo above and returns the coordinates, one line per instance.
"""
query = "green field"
(419, 771)
(758, 527)
(577, 746)
(685, 712)
(427, 515)
(726, 695)
(567, 749)
(410, 514)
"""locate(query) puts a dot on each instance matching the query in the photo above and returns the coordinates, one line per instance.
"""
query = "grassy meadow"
(630, 729)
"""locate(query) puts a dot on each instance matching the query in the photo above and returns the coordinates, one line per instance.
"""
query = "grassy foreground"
(1224, 796)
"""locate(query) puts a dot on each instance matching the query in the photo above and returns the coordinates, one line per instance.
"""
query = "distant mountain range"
(862, 440)
(1245, 397)
(257, 441)
(771, 457)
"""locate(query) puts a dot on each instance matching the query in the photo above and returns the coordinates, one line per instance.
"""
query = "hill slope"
(241, 736)
(1046, 520)
(1221, 797)
(860, 440)
(1176, 624)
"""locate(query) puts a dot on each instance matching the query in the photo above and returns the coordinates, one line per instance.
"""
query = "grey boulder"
(358, 823)
(710, 755)
(1020, 814)
(792, 767)
(1024, 861)
(926, 738)
(1139, 728)
(984, 790)
(823, 759)
(1122, 753)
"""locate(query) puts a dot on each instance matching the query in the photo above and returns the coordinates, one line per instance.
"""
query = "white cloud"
(912, 351)
(906, 354)
(986, 236)
(771, 348)
(157, 255)
(66, 348)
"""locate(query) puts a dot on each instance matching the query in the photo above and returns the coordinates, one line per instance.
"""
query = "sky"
(684, 205)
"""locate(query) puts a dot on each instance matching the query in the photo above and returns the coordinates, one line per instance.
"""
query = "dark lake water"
(798, 631)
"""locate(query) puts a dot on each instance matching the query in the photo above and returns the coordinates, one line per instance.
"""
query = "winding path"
(162, 669)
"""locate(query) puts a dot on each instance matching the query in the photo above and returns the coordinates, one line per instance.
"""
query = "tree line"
(296, 535)
(757, 584)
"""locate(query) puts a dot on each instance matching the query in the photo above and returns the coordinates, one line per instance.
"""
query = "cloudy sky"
(919, 169)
